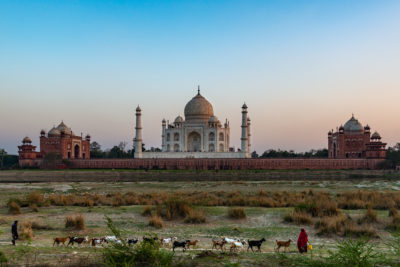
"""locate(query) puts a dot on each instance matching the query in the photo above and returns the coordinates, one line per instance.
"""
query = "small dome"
(375, 135)
(64, 129)
(353, 126)
(198, 109)
(27, 140)
(54, 132)
(178, 119)
(88, 137)
(42, 132)
(244, 106)
(138, 109)
(213, 119)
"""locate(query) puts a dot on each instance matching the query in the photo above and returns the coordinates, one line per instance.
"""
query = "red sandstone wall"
(228, 164)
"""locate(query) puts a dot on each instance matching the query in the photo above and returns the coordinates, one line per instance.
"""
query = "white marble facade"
(200, 134)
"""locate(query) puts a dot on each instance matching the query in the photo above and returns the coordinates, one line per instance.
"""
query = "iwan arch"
(199, 135)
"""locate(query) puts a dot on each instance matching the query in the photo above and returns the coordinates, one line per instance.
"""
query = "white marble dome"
(198, 108)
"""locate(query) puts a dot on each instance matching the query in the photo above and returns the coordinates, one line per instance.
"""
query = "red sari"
(302, 241)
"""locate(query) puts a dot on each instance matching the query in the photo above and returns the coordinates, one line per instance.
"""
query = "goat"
(229, 240)
(59, 240)
(78, 240)
(237, 245)
(167, 241)
(255, 243)
(177, 244)
(217, 243)
(284, 244)
(192, 243)
(97, 241)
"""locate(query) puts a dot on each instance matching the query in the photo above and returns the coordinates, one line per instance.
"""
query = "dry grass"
(325, 203)
(147, 210)
(298, 217)
(27, 232)
(34, 207)
(330, 225)
(156, 221)
(14, 208)
(356, 230)
(36, 225)
(393, 212)
(75, 221)
(370, 216)
(236, 213)
(394, 224)
(195, 216)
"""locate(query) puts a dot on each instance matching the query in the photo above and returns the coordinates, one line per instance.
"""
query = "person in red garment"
(302, 241)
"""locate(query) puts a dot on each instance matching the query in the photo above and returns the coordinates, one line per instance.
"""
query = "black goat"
(255, 243)
(177, 244)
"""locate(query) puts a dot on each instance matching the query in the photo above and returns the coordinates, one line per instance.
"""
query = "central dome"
(198, 109)
(353, 126)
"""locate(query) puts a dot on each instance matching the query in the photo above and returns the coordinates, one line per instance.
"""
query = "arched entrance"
(194, 142)
(76, 151)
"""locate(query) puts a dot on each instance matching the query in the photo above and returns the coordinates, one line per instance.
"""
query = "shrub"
(174, 208)
(143, 254)
(3, 259)
(75, 221)
(156, 221)
(354, 253)
(355, 230)
(236, 213)
(393, 212)
(14, 208)
(35, 198)
(298, 218)
(394, 224)
(370, 216)
(195, 216)
(147, 211)
(330, 225)
(34, 208)
(27, 232)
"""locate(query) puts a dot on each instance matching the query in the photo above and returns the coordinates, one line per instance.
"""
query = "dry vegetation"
(156, 221)
(26, 231)
(75, 221)
(236, 213)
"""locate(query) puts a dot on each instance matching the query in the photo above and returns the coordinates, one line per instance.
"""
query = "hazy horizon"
(302, 67)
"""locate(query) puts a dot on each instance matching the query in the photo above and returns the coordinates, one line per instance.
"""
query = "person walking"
(14, 232)
(302, 241)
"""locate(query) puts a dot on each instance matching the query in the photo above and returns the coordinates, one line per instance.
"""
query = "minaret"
(163, 148)
(138, 138)
(248, 135)
(244, 139)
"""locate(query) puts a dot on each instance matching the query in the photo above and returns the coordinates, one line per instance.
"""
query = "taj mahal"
(199, 135)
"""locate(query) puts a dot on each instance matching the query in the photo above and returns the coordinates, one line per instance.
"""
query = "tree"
(254, 154)
(95, 150)
(3, 153)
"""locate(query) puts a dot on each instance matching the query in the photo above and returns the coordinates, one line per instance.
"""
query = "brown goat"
(284, 244)
(217, 243)
(192, 243)
(59, 240)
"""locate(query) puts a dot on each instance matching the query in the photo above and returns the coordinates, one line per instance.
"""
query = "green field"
(260, 221)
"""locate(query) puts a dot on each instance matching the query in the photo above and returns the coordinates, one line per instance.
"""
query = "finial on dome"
(198, 89)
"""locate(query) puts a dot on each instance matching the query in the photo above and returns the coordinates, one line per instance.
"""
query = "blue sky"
(301, 66)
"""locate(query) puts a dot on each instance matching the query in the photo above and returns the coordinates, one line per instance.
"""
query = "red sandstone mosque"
(60, 140)
(355, 141)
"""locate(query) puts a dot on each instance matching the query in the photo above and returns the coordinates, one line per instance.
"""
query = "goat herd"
(172, 242)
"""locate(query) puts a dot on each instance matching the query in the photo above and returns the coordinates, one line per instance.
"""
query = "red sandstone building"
(61, 141)
(355, 141)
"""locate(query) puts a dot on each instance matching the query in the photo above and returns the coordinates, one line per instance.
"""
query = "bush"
(3, 259)
(143, 254)
(298, 218)
(35, 198)
(156, 221)
(236, 213)
(195, 216)
(393, 212)
(27, 232)
(147, 210)
(39, 226)
(394, 224)
(175, 208)
(354, 253)
(330, 225)
(75, 221)
(34, 208)
(370, 216)
(355, 230)
(14, 208)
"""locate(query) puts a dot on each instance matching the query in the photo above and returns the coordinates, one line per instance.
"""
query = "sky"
(302, 67)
